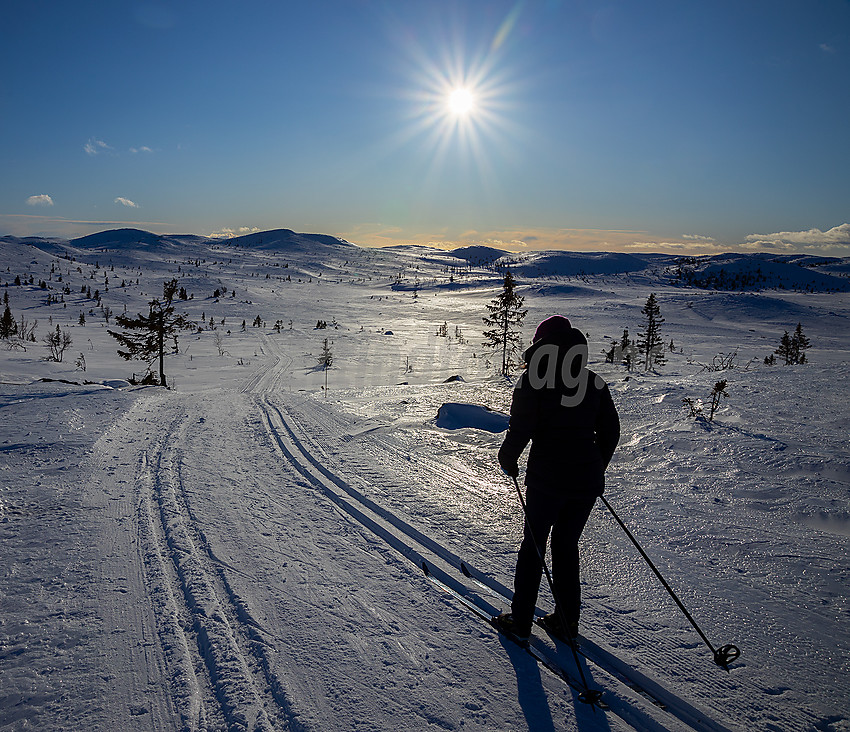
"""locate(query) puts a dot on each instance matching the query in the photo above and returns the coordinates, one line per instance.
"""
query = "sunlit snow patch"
(456, 416)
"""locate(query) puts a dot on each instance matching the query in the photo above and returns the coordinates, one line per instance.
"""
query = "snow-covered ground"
(243, 551)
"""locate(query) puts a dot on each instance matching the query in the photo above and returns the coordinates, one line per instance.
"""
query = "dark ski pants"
(565, 517)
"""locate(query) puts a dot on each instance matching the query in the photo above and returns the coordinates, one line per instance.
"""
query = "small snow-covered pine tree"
(650, 345)
(785, 350)
(505, 320)
(326, 358)
(799, 344)
(8, 327)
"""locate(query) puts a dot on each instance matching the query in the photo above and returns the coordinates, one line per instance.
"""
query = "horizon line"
(834, 242)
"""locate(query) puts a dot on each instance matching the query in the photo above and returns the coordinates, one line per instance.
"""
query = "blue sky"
(664, 125)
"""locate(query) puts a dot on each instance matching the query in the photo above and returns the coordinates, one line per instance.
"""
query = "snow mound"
(116, 383)
(479, 255)
(289, 240)
(457, 416)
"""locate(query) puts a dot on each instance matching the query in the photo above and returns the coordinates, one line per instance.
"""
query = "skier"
(566, 412)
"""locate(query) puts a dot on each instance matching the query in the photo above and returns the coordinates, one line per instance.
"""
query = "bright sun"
(461, 102)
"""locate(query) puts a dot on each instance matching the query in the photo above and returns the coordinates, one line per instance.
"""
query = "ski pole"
(724, 655)
(588, 696)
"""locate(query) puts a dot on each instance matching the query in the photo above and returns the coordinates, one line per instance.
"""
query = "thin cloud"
(691, 247)
(40, 200)
(509, 240)
(41, 225)
(511, 245)
(126, 202)
(142, 149)
(836, 239)
(584, 240)
(826, 48)
(560, 239)
(95, 146)
(228, 233)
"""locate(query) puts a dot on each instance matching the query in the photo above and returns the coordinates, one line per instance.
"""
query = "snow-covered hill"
(573, 264)
(759, 272)
(243, 551)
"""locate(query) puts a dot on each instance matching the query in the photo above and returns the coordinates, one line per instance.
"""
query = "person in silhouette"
(567, 414)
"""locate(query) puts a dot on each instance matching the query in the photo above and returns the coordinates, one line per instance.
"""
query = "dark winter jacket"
(568, 416)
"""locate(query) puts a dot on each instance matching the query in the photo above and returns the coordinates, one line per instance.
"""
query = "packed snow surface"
(244, 550)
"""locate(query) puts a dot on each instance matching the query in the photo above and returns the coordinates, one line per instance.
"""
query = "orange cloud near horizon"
(526, 240)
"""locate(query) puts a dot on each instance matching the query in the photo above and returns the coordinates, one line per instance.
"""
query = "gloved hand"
(511, 470)
(508, 464)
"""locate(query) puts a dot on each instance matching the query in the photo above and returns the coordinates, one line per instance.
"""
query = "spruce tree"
(8, 326)
(799, 344)
(148, 333)
(649, 343)
(785, 350)
(326, 360)
(793, 347)
(504, 321)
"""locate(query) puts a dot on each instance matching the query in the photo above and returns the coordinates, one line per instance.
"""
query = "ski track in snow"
(224, 667)
(214, 654)
(418, 547)
(678, 658)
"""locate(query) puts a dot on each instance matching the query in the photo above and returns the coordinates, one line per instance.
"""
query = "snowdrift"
(457, 416)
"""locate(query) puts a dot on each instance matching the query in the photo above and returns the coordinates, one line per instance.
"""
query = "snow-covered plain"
(241, 551)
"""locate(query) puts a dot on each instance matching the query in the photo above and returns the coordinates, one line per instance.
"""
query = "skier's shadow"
(534, 700)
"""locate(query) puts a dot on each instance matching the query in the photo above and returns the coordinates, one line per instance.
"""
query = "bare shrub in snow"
(696, 407)
(57, 342)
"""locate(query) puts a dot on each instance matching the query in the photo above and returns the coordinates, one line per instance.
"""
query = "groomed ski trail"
(443, 569)
(672, 656)
(215, 657)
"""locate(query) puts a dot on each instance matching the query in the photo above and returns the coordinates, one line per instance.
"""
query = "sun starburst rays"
(457, 118)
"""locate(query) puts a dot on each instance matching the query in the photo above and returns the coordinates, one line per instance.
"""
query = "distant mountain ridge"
(131, 238)
(722, 272)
